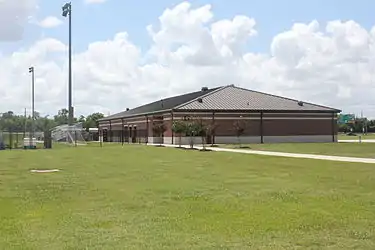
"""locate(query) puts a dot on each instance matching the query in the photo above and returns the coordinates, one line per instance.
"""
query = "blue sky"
(93, 22)
(278, 74)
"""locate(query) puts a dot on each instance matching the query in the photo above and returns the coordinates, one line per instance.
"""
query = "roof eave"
(135, 115)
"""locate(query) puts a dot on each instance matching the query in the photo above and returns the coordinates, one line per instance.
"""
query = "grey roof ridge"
(202, 96)
(286, 98)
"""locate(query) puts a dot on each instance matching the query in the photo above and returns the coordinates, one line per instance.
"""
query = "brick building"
(268, 118)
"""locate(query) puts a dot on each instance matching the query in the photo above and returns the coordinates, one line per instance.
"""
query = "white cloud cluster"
(50, 22)
(331, 65)
(14, 15)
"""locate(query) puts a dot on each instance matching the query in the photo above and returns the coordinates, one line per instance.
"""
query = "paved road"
(292, 155)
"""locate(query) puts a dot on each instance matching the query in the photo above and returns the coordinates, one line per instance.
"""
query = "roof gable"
(235, 98)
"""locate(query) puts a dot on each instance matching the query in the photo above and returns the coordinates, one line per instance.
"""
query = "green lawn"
(364, 137)
(144, 197)
(366, 150)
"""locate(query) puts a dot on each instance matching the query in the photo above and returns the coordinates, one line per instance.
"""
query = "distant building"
(269, 118)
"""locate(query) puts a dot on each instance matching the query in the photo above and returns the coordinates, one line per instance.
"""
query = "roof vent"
(300, 103)
(204, 89)
(200, 100)
(127, 109)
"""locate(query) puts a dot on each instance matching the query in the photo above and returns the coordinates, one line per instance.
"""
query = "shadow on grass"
(196, 149)
(242, 147)
(206, 150)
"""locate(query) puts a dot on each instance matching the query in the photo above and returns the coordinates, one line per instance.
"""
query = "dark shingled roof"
(225, 98)
(164, 104)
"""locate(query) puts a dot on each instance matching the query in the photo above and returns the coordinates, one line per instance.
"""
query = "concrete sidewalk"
(291, 155)
(357, 140)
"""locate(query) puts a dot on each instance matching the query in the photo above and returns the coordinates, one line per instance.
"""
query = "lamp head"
(66, 9)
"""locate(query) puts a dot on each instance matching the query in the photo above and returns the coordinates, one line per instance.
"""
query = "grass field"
(364, 137)
(366, 150)
(144, 197)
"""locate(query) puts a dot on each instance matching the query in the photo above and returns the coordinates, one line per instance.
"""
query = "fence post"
(10, 139)
(30, 143)
(101, 137)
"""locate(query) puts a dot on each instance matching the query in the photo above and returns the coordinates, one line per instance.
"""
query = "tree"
(158, 129)
(239, 127)
(61, 117)
(8, 115)
(202, 130)
(81, 119)
(45, 124)
(211, 130)
(91, 121)
(193, 129)
(179, 127)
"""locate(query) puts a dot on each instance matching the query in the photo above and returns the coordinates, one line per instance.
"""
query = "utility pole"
(67, 11)
(31, 70)
(24, 130)
(363, 123)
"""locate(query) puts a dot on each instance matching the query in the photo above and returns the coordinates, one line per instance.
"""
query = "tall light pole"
(31, 70)
(67, 11)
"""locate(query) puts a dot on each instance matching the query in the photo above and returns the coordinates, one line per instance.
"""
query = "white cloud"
(14, 15)
(50, 22)
(330, 64)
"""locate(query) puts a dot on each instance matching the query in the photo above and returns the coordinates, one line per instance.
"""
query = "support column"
(100, 130)
(172, 127)
(126, 129)
(110, 131)
(130, 134)
(333, 127)
(147, 134)
(261, 128)
(122, 131)
(213, 131)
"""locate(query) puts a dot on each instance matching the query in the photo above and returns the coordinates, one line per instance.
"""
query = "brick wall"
(269, 124)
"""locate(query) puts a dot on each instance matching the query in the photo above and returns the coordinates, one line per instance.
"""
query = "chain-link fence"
(13, 139)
